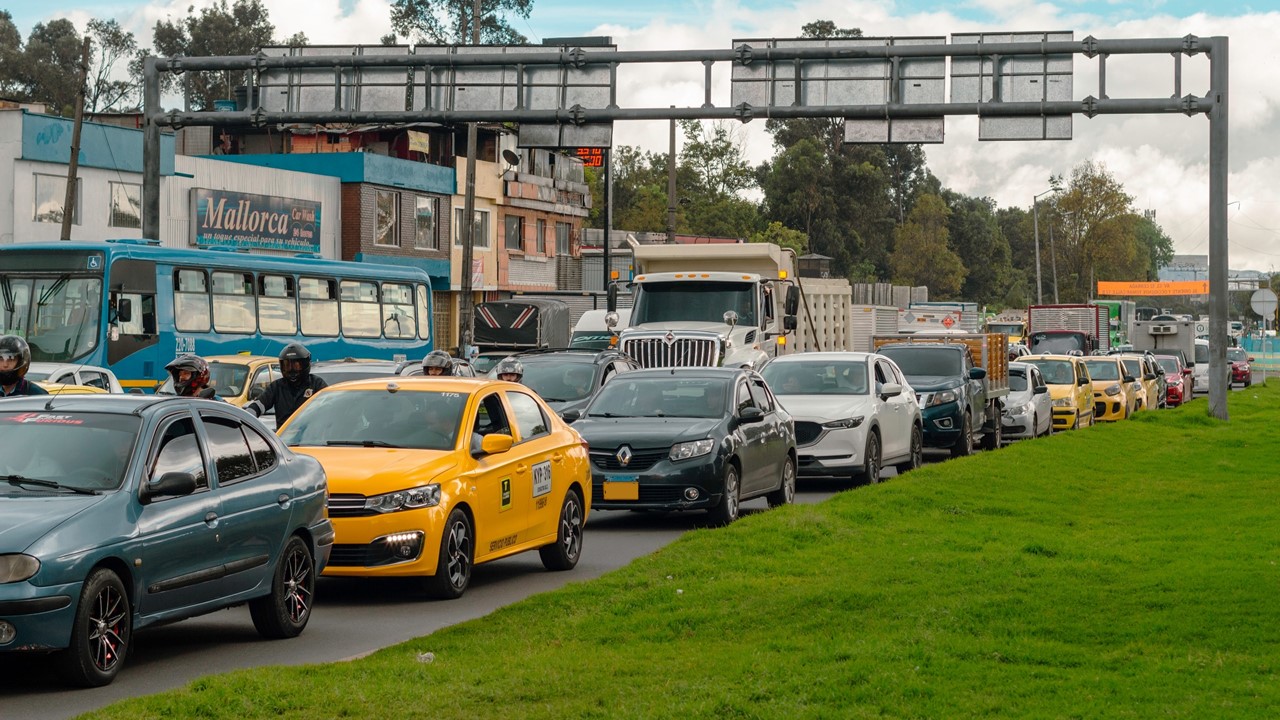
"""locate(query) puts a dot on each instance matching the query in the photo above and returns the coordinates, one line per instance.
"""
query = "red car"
(1240, 371)
(1178, 377)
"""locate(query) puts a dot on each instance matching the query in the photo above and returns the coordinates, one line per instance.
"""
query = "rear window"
(89, 451)
(925, 361)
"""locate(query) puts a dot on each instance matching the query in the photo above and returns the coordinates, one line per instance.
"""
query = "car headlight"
(941, 398)
(16, 568)
(1113, 390)
(1063, 402)
(852, 422)
(692, 449)
(411, 499)
(1016, 410)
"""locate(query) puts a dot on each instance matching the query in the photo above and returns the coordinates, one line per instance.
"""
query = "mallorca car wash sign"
(242, 220)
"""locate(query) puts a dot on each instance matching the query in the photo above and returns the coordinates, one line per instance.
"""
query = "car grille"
(807, 432)
(363, 555)
(656, 352)
(649, 494)
(348, 506)
(640, 459)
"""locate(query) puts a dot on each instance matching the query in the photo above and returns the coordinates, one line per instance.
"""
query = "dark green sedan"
(688, 439)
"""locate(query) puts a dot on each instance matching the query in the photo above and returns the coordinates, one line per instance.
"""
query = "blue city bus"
(133, 306)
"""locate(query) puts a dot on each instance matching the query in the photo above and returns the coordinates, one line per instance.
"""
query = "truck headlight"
(852, 422)
(691, 449)
(411, 499)
(1113, 390)
(1063, 402)
(941, 398)
(16, 568)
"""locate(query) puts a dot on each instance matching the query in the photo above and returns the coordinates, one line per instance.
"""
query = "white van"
(1201, 370)
(591, 332)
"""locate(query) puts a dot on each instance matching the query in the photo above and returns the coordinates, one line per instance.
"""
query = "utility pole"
(1035, 213)
(671, 185)
(466, 305)
(73, 167)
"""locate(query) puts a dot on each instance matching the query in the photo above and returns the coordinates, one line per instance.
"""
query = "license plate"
(622, 488)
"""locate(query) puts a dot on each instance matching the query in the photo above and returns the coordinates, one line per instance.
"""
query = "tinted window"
(560, 379)
(264, 456)
(530, 420)
(760, 396)
(377, 418)
(742, 397)
(1017, 381)
(626, 396)
(180, 451)
(925, 362)
(88, 450)
(231, 458)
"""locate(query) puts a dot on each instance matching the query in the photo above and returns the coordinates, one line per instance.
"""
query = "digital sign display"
(591, 156)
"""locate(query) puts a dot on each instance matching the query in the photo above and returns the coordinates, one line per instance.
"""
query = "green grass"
(1123, 571)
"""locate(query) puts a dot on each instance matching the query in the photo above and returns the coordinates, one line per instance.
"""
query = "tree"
(445, 22)
(50, 60)
(921, 255)
(11, 59)
(1096, 233)
(711, 175)
(241, 28)
(782, 236)
(976, 238)
(107, 91)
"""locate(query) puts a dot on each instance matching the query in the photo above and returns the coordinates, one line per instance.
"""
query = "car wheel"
(457, 552)
(727, 511)
(964, 445)
(870, 474)
(101, 632)
(917, 451)
(285, 612)
(563, 554)
(991, 440)
(786, 492)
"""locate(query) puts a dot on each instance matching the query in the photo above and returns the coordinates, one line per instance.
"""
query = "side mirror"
(977, 373)
(1129, 379)
(791, 305)
(1250, 359)
(124, 310)
(496, 444)
(1083, 381)
(611, 298)
(751, 414)
(730, 318)
(611, 320)
(889, 390)
(1149, 376)
(170, 484)
(1040, 390)
(1186, 371)
(571, 415)
(789, 322)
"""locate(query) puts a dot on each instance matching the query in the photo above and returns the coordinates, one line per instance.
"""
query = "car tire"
(457, 553)
(991, 440)
(285, 612)
(101, 632)
(870, 474)
(964, 444)
(563, 554)
(727, 510)
(917, 451)
(786, 492)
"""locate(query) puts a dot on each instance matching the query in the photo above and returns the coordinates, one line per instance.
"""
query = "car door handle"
(211, 518)
(283, 500)
(522, 468)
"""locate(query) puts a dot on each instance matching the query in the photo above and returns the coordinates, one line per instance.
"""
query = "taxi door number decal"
(542, 478)
(506, 494)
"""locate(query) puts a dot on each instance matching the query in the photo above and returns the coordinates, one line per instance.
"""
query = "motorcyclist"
(190, 375)
(15, 360)
(286, 394)
(510, 370)
(437, 363)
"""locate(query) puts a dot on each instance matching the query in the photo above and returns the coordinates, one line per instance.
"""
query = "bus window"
(234, 307)
(318, 305)
(277, 310)
(191, 301)
(359, 308)
(424, 312)
(397, 311)
(17, 306)
(142, 320)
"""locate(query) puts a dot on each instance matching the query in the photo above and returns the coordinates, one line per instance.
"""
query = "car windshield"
(924, 361)
(37, 375)
(81, 450)
(560, 379)
(335, 374)
(696, 301)
(1103, 369)
(1168, 364)
(1055, 372)
(1133, 368)
(663, 396)
(817, 377)
(1017, 381)
(1236, 354)
(377, 418)
(226, 379)
(1202, 353)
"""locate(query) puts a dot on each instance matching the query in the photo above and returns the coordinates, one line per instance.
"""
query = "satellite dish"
(510, 157)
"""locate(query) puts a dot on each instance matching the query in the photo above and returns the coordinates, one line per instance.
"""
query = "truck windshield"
(1058, 343)
(1007, 328)
(694, 301)
(925, 361)
(58, 316)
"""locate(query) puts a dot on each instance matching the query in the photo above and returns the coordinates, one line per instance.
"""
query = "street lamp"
(1035, 212)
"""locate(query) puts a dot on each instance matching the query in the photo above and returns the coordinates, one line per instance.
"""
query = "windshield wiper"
(363, 443)
(17, 480)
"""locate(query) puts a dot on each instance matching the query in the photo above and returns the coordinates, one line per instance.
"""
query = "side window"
(530, 420)
(264, 456)
(93, 379)
(179, 451)
(360, 308)
(742, 399)
(191, 301)
(492, 417)
(277, 305)
(232, 460)
(235, 305)
(883, 375)
(261, 379)
(318, 306)
(760, 396)
(397, 311)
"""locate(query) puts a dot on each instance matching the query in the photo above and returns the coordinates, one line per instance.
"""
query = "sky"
(1162, 160)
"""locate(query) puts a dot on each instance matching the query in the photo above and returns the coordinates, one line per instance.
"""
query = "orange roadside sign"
(1152, 289)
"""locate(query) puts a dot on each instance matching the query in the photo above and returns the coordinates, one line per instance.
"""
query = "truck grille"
(673, 351)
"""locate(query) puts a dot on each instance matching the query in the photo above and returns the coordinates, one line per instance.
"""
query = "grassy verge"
(1124, 571)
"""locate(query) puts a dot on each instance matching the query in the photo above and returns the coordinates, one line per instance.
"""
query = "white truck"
(726, 305)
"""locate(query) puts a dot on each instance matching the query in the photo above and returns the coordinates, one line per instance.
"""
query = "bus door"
(133, 343)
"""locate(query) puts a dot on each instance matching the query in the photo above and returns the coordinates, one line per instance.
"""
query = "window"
(397, 311)
(318, 307)
(180, 452)
(424, 312)
(50, 194)
(232, 460)
(277, 305)
(480, 227)
(530, 420)
(191, 301)
(515, 232)
(424, 223)
(126, 205)
(492, 418)
(760, 396)
(90, 378)
(562, 238)
(360, 308)
(387, 229)
(263, 377)
(234, 304)
(743, 397)
(541, 239)
(264, 456)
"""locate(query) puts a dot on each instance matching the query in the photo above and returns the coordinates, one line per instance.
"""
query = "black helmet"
(13, 347)
(299, 356)
(509, 366)
(438, 359)
(199, 370)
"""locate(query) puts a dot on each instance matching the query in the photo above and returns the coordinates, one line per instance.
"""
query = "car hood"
(370, 471)
(1061, 391)
(645, 432)
(822, 408)
(933, 383)
(24, 520)
(562, 406)
(1017, 398)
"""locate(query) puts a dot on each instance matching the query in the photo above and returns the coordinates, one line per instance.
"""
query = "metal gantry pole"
(466, 303)
(150, 149)
(1219, 297)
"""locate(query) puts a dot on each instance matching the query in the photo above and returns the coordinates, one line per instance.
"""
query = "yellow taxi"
(69, 389)
(1145, 386)
(1069, 386)
(236, 378)
(1113, 395)
(429, 476)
